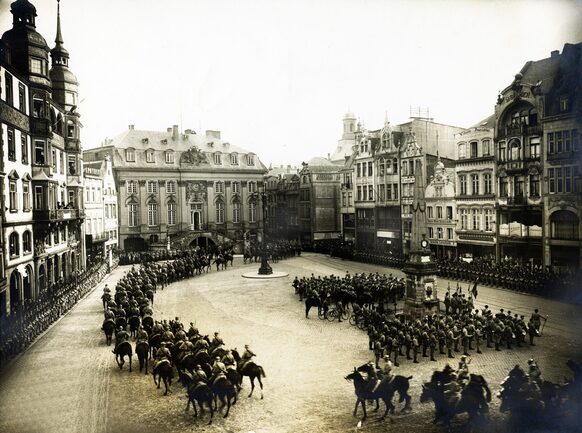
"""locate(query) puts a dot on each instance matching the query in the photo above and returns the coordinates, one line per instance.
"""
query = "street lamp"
(265, 268)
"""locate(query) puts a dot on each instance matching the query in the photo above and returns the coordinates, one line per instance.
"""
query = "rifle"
(543, 326)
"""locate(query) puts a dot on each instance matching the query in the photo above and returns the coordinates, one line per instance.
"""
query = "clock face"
(424, 243)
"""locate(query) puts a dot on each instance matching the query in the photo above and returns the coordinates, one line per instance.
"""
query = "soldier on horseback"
(228, 360)
(246, 356)
(218, 370)
(109, 314)
(200, 374)
(163, 353)
(142, 335)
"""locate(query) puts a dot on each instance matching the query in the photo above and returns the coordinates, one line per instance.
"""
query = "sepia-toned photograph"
(274, 216)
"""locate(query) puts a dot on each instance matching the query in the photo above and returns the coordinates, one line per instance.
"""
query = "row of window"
(13, 194)
(364, 169)
(14, 243)
(562, 179)
(152, 187)
(438, 212)
(475, 182)
(365, 193)
(9, 92)
(514, 151)
(477, 219)
(439, 233)
(196, 214)
(169, 156)
(57, 160)
(473, 150)
(563, 141)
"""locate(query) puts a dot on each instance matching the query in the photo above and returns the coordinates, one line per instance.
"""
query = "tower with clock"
(420, 268)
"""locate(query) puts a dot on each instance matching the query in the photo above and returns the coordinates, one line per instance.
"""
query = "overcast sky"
(276, 77)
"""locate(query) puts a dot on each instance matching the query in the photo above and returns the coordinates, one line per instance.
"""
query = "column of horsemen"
(207, 369)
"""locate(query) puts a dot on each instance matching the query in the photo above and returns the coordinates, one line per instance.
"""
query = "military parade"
(310, 218)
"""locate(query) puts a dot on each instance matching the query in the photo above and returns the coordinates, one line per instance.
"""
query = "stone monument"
(420, 268)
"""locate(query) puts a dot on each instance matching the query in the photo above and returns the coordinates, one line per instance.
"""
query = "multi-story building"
(319, 193)
(425, 141)
(387, 203)
(537, 130)
(365, 188)
(347, 209)
(44, 177)
(100, 210)
(441, 212)
(562, 162)
(475, 190)
(186, 188)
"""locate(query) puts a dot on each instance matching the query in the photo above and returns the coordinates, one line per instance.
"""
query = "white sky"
(276, 77)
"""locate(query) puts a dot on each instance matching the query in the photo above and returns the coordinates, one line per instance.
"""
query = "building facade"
(100, 210)
(43, 225)
(475, 191)
(319, 200)
(537, 145)
(184, 189)
(441, 212)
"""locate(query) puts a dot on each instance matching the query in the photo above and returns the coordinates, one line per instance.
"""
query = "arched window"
(27, 242)
(150, 155)
(236, 212)
(14, 244)
(514, 150)
(564, 225)
(252, 212)
(132, 214)
(152, 213)
(219, 212)
(169, 156)
(462, 150)
(171, 213)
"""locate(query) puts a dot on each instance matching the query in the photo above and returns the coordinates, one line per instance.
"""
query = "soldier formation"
(461, 329)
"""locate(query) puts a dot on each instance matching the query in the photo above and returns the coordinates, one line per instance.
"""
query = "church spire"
(59, 54)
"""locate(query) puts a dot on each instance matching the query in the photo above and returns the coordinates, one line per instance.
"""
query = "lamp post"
(265, 268)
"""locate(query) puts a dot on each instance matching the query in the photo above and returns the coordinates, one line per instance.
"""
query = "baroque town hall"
(41, 163)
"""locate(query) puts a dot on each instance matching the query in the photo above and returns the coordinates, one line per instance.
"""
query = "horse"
(247, 255)
(223, 389)
(148, 323)
(472, 400)
(155, 341)
(365, 390)
(198, 392)
(163, 369)
(134, 322)
(142, 350)
(108, 328)
(228, 257)
(399, 384)
(123, 349)
(234, 377)
(251, 370)
(220, 261)
(312, 301)
(121, 322)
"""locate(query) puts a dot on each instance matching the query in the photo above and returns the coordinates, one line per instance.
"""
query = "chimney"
(175, 132)
(555, 53)
(169, 130)
(213, 134)
(188, 131)
(328, 157)
(131, 127)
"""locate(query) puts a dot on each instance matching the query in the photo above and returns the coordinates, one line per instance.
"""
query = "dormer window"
(250, 160)
(233, 159)
(130, 155)
(564, 104)
(218, 158)
(169, 157)
(150, 155)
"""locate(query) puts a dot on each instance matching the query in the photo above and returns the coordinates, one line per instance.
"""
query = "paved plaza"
(68, 380)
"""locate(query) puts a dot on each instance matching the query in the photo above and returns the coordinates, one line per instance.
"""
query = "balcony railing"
(517, 200)
(57, 214)
(510, 130)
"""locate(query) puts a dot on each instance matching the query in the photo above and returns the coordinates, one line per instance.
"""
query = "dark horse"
(200, 392)
(474, 399)
(251, 370)
(163, 369)
(142, 350)
(108, 328)
(134, 322)
(312, 301)
(399, 384)
(225, 391)
(123, 349)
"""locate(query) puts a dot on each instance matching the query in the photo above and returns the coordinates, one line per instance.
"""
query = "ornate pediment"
(193, 156)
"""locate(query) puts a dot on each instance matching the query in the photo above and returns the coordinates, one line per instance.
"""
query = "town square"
(249, 217)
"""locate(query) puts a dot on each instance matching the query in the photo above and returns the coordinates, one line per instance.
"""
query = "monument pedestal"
(421, 285)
